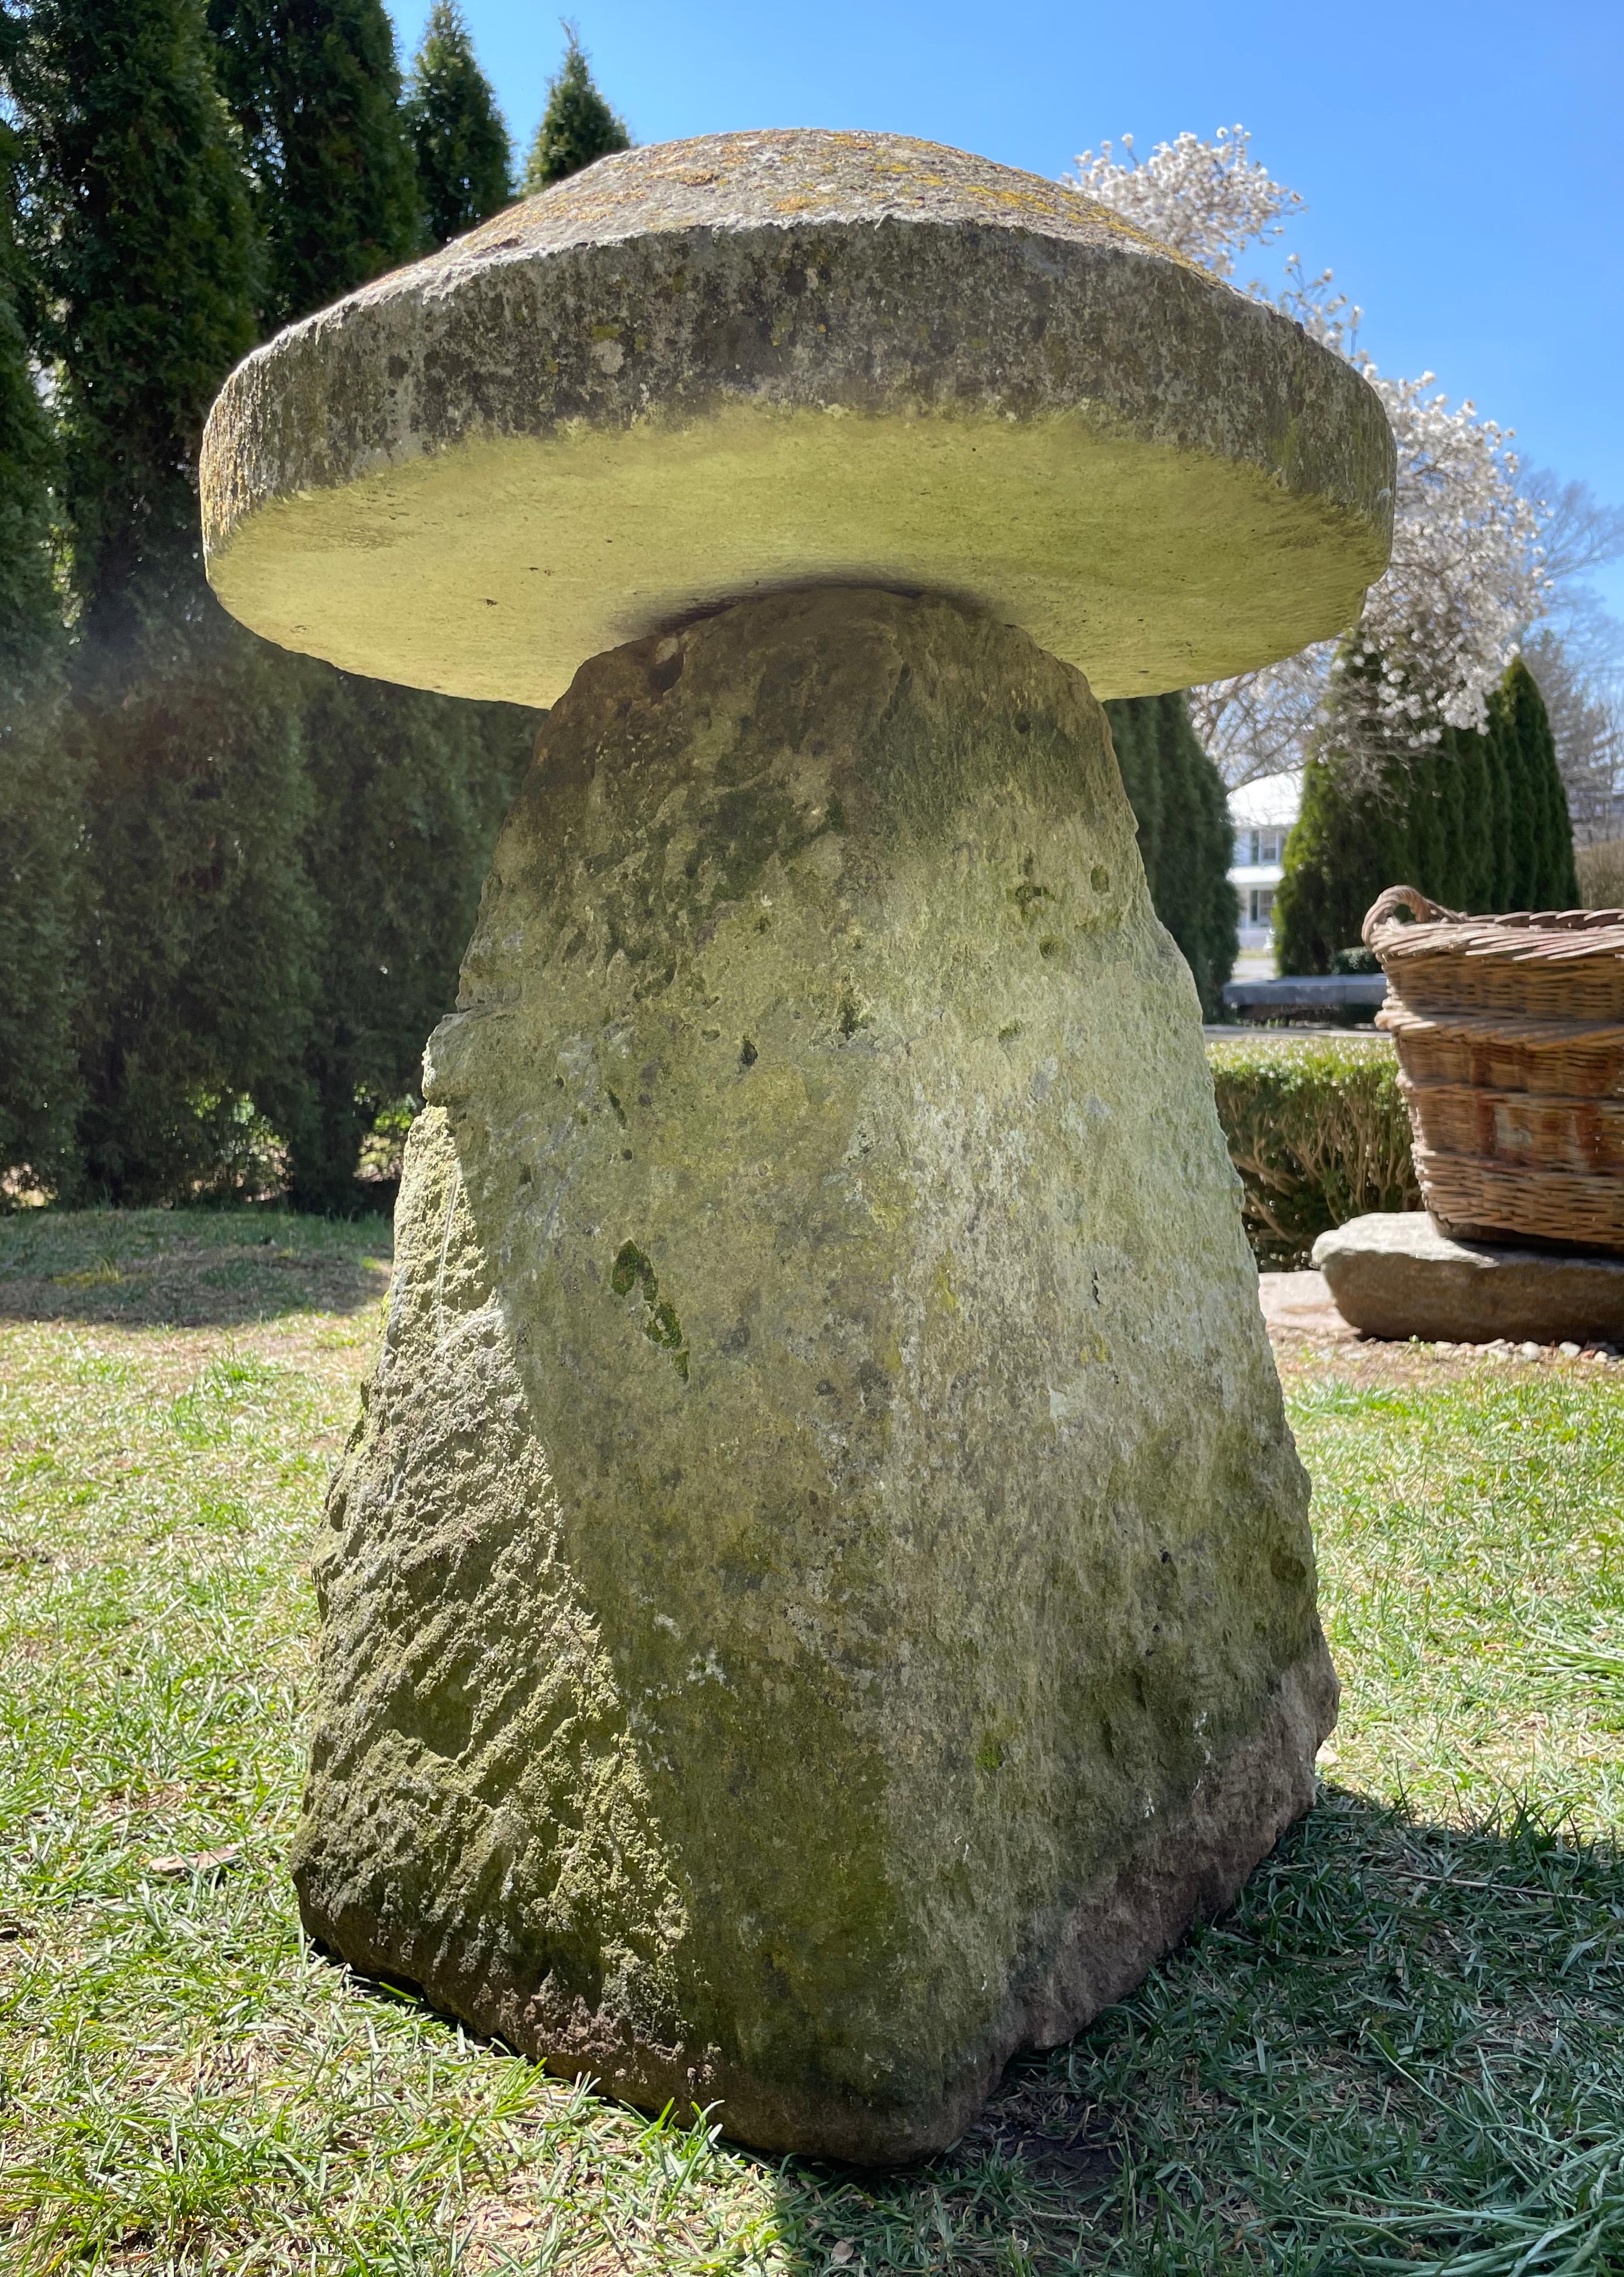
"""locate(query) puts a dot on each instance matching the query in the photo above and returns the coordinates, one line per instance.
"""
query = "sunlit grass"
(1472, 1541)
(1399, 2051)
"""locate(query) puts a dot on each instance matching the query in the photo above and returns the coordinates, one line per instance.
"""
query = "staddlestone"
(821, 1594)
(1394, 1274)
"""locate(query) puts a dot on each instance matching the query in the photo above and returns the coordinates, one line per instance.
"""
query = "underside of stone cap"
(711, 369)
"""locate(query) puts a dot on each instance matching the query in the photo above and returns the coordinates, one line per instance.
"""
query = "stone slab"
(1393, 1274)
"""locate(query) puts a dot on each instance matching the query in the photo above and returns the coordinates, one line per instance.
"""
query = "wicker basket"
(1510, 1032)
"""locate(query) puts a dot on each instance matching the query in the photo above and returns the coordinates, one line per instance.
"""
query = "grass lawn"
(1400, 2051)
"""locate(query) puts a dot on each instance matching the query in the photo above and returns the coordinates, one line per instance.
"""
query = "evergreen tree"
(316, 90)
(197, 917)
(30, 622)
(40, 791)
(140, 219)
(1185, 837)
(1478, 822)
(406, 789)
(1346, 834)
(201, 954)
(1518, 720)
(576, 126)
(464, 159)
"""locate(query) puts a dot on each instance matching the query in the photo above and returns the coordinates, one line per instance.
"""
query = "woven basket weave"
(1510, 1032)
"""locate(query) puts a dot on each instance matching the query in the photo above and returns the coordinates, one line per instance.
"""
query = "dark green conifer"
(1478, 821)
(40, 791)
(405, 790)
(201, 948)
(1542, 876)
(1345, 835)
(1185, 837)
(576, 126)
(30, 619)
(316, 90)
(196, 919)
(140, 218)
(464, 158)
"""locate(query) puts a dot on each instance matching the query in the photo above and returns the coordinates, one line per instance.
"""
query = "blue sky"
(1463, 165)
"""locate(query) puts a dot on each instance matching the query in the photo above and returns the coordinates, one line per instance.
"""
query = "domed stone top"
(716, 368)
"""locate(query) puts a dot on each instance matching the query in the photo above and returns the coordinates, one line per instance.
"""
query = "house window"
(1256, 849)
(1261, 905)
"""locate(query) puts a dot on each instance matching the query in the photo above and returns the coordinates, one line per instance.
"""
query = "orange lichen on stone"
(844, 177)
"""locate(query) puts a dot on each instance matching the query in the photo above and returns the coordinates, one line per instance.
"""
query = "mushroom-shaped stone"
(821, 1592)
(709, 369)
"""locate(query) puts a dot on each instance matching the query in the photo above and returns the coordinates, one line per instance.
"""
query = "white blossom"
(1468, 576)
(1208, 201)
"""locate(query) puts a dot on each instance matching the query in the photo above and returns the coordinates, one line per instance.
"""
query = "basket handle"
(1404, 897)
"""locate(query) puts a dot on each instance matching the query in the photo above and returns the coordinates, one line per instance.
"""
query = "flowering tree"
(1208, 201)
(1467, 574)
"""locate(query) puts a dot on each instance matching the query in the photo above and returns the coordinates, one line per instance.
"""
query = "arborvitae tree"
(1478, 822)
(464, 158)
(406, 789)
(576, 126)
(30, 620)
(316, 91)
(409, 790)
(201, 952)
(1185, 836)
(39, 790)
(140, 218)
(1346, 834)
(198, 918)
(1518, 720)
(1429, 817)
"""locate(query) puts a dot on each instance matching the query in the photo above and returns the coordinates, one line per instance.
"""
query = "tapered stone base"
(821, 1593)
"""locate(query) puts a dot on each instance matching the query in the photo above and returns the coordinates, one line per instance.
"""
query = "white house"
(1262, 813)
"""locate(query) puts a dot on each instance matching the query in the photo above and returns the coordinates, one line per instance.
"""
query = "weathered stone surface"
(716, 368)
(1393, 1274)
(821, 1592)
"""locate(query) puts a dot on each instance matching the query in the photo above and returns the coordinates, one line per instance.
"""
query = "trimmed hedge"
(1318, 1130)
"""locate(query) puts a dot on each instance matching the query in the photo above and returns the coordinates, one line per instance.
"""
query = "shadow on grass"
(1400, 2047)
(186, 1269)
(1398, 2052)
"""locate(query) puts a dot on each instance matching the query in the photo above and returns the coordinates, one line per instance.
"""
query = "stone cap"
(713, 369)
